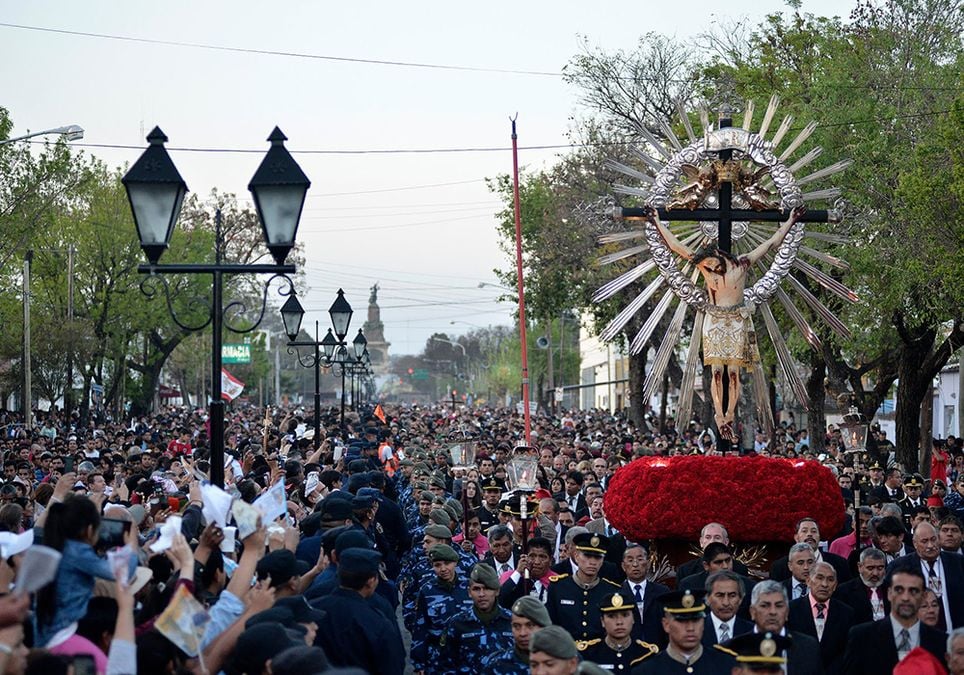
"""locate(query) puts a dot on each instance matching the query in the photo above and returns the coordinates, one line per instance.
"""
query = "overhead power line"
(273, 52)
(390, 62)
(462, 150)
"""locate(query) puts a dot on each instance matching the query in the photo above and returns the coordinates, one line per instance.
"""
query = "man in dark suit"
(865, 595)
(711, 532)
(876, 647)
(769, 609)
(503, 555)
(573, 495)
(943, 572)
(801, 561)
(725, 592)
(820, 616)
(890, 491)
(809, 532)
(717, 557)
(636, 567)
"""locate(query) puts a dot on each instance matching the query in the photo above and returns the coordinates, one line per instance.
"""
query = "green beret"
(443, 552)
(449, 509)
(406, 462)
(485, 574)
(438, 531)
(531, 608)
(437, 481)
(426, 496)
(457, 506)
(554, 641)
(439, 516)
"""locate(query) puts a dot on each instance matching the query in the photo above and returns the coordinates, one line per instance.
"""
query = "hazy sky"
(420, 224)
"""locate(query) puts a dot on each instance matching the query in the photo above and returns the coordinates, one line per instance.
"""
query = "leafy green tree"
(880, 85)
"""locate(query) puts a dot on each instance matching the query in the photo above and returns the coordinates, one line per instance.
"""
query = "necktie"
(934, 583)
(504, 569)
(801, 589)
(876, 606)
(639, 595)
(821, 617)
(724, 632)
(904, 644)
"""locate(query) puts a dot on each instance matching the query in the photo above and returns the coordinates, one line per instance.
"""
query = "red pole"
(521, 286)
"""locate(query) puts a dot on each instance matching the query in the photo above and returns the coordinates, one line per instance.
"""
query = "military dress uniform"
(622, 661)
(761, 652)
(488, 518)
(715, 661)
(602, 651)
(686, 605)
(575, 606)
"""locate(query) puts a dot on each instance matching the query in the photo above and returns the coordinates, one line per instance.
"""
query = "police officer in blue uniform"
(477, 632)
(352, 632)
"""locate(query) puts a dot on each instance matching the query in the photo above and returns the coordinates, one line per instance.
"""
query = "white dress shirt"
(941, 584)
(730, 625)
(641, 586)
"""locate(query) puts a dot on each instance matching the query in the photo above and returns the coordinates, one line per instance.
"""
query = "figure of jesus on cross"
(729, 341)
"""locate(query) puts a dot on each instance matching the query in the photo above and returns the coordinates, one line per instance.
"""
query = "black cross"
(725, 215)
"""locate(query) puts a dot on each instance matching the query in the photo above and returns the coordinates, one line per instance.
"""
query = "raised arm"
(675, 245)
(777, 238)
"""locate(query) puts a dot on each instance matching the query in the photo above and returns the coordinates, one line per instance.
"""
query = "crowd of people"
(387, 557)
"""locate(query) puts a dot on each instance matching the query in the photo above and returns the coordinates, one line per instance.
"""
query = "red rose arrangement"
(757, 499)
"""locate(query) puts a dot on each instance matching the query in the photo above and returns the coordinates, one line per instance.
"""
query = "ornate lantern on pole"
(853, 431)
(463, 455)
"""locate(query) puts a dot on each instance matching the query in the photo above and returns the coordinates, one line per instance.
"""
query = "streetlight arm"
(450, 342)
(149, 287)
(311, 360)
(71, 132)
(239, 308)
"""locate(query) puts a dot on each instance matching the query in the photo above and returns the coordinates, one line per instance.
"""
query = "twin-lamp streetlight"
(330, 351)
(156, 191)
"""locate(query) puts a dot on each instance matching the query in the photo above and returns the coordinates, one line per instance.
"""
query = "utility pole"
(69, 390)
(27, 384)
(551, 368)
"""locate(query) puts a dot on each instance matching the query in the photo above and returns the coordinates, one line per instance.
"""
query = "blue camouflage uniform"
(435, 605)
(417, 572)
(468, 639)
(505, 662)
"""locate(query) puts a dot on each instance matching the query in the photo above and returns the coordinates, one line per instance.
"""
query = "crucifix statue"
(729, 340)
(728, 210)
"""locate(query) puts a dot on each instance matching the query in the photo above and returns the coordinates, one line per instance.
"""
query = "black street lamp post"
(156, 191)
(330, 351)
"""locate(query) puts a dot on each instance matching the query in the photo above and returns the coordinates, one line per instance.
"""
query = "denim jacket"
(79, 567)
